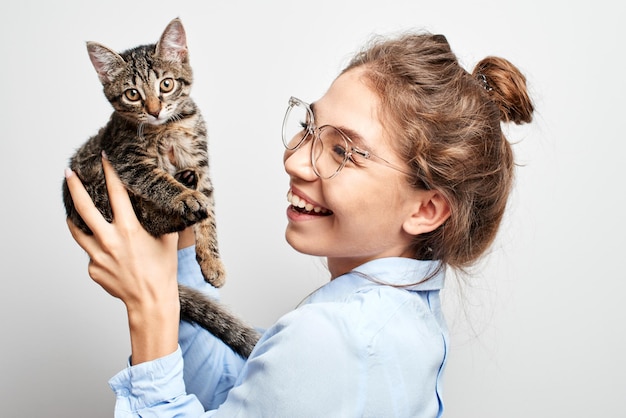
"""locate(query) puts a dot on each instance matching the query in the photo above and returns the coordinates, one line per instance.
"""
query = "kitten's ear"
(107, 63)
(173, 43)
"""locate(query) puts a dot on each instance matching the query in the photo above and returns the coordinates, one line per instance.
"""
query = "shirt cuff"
(150, 383)
(189, 273)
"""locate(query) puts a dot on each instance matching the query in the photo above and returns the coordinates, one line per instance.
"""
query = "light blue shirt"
(357, 347)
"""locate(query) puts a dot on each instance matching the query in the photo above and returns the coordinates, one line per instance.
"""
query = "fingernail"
(104, 154)
(68, 173)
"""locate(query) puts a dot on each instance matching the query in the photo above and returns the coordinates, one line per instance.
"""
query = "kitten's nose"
(153, 107)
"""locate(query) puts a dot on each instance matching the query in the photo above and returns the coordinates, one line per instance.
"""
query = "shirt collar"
(408, 273)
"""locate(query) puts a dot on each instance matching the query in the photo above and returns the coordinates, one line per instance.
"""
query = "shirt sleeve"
(154, 389)
(210, 366)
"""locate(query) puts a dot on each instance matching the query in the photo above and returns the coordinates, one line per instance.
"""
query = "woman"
(397, 173)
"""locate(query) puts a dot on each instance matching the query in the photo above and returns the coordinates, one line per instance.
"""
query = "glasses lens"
(295, 125)
(330, 152)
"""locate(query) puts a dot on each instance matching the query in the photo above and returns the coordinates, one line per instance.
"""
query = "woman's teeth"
(304, 206)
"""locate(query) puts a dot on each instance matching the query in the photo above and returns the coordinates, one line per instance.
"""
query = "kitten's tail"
(212, 316)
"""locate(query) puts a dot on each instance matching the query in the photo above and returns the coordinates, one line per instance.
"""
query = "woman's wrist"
(153, 329)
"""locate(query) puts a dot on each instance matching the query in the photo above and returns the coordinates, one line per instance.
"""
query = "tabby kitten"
(156, 140)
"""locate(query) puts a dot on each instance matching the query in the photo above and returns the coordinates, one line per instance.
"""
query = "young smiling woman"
(369, 210)
(399, 172)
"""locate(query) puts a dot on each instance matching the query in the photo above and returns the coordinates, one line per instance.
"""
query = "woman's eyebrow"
(313, 106)
(354, 136)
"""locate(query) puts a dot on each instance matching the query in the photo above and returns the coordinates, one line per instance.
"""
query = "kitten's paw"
(188, 178)
(192, 206)
(213, 270)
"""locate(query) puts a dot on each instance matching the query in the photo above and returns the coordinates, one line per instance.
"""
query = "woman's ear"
(430, 211)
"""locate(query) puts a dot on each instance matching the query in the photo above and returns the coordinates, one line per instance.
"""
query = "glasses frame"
(314, 131)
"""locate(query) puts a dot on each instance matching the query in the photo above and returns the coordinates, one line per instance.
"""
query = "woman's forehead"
(352, 106)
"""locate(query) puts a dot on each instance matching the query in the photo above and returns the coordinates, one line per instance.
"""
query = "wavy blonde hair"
(446, 126)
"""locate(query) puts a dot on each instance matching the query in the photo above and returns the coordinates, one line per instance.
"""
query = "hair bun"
(507, 87)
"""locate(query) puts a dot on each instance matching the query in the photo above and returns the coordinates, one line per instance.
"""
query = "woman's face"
(358, 215)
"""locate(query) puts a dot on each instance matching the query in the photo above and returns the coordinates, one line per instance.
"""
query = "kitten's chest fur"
(174, 146)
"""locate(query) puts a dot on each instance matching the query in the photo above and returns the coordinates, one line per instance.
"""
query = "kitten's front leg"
(153, 184)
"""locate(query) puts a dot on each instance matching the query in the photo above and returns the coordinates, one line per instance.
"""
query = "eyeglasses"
(331, 149)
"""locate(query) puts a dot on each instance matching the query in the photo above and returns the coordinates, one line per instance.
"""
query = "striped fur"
(156, 140)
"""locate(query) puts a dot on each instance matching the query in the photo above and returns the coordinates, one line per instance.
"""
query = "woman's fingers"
(121, 206)
(85, 241)
(83, 203)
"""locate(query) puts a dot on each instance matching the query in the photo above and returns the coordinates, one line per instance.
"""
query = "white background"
(537, 331)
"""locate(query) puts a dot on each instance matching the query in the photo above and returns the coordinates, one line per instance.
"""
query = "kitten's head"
(149, 83)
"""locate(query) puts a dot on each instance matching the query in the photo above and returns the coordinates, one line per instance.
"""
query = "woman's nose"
(298, 162)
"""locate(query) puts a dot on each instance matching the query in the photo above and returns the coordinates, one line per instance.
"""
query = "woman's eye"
(305, 126)
(167, 85)
(132, 95)
(339, 150)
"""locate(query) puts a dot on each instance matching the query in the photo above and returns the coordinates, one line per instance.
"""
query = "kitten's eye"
(167, 85)
(132, 95)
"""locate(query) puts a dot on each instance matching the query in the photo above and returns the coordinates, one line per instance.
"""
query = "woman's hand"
(131, 265)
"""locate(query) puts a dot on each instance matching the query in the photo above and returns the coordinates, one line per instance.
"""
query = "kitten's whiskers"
(175, 117)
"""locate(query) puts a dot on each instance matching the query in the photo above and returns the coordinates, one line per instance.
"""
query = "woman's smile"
(303, 206)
